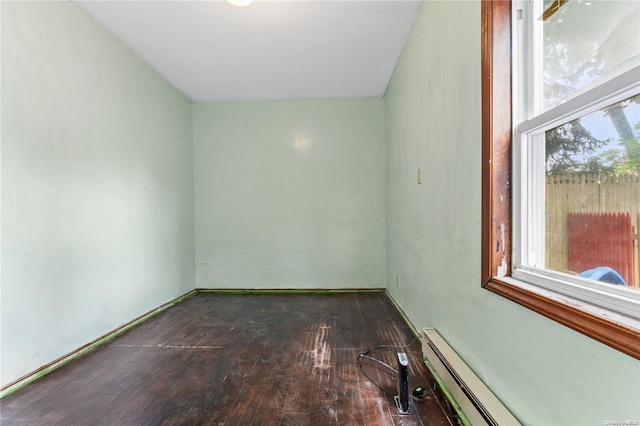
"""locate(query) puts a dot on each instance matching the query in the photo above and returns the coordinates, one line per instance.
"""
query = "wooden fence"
(585, 194)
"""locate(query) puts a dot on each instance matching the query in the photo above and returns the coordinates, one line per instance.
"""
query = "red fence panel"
(601, 239)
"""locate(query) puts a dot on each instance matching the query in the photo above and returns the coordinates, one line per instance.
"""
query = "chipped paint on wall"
(502, 268)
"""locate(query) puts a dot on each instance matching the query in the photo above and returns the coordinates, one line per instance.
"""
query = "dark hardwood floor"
(251, 359)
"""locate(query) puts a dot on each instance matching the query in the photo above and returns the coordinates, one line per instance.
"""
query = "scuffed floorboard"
(254, 359)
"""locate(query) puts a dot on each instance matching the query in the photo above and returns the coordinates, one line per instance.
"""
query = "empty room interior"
(311, 169)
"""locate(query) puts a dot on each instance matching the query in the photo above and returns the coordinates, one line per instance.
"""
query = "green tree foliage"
(631, 143)
(572, 149)
(572, 57)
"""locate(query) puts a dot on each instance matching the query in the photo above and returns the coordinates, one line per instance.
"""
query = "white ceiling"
(213, 51)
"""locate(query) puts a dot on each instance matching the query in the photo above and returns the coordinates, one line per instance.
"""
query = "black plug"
(418, 392)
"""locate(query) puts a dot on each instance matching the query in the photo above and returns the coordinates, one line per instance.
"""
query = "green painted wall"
(98, 204)
(289, 194)
(97, 186)
(544, 373)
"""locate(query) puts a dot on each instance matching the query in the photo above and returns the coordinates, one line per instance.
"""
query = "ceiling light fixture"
(240, 3)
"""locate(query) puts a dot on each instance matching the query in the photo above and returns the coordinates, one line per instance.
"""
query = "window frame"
(497, 197)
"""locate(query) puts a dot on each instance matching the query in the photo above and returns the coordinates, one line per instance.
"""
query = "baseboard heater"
(477, 403)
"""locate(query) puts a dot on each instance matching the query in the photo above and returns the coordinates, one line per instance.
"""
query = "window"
(561, 121)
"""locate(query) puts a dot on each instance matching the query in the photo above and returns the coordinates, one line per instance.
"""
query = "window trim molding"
(497, 194)
(496, 138)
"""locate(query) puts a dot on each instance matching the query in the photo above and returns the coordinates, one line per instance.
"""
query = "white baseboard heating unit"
(478, 404)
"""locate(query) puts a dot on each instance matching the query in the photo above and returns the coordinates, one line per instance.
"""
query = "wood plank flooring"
(250, 359)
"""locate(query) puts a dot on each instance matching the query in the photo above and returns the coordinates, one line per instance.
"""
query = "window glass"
(531, 149)
(592, 195)
(582, 40)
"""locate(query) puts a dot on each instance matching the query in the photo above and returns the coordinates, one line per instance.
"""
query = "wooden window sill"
(618, 331)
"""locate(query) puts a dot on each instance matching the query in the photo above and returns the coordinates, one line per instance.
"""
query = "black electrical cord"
(365, 354)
